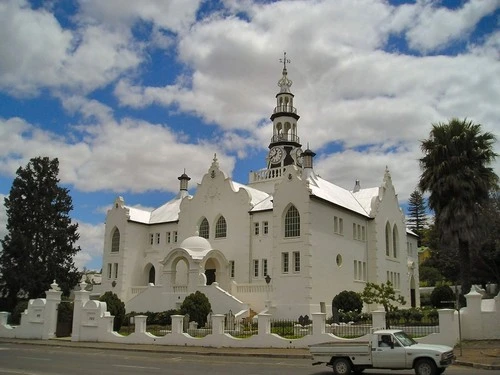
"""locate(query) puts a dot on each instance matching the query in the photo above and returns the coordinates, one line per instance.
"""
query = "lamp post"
(268, 281)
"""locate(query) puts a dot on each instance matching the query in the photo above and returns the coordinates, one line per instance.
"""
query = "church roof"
(138, 215)
(256, 196)
(365, 197)
(335, 194)
(166, 213)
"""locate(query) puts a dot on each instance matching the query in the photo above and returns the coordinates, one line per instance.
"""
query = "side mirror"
(392, 345)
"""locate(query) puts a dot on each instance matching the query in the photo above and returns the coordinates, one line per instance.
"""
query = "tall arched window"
(221, 228)
(152, 275)
(388, 239)
(115, 241)
(292, 222)
(395, 241)
(204, 228)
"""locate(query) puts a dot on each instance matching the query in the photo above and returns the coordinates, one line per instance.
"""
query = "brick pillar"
(264, 324)
(378, 319)
(218, 324)
(319, 323)
(52, 301)
(81, 298)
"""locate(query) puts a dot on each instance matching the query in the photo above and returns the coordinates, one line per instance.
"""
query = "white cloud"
(91, 244)
(435, 28)
(37, 52)
(175, 15)
(131, 155)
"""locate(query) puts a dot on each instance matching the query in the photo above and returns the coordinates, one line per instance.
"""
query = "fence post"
(81, 298)
(53, 299)
(319, 323)
(264, 322)
(140, 323)
(218, 324)
(448, 325)
(177, 323)
(4, 316)
(378, 319)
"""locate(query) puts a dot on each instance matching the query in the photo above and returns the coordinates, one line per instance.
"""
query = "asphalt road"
(19, 359)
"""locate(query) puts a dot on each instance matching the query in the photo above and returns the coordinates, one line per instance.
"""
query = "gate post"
(53, 298)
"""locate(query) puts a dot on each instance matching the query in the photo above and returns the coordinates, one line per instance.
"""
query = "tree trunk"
(465, 264)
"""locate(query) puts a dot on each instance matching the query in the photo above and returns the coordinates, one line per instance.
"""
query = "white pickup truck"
(388, 349)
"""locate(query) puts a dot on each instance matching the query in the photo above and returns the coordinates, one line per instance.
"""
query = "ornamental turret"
(285, 148)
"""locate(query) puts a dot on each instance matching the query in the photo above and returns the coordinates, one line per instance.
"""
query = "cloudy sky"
(127, 94)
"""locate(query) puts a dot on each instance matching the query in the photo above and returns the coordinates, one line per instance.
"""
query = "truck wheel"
(425, 366)
(341, 366)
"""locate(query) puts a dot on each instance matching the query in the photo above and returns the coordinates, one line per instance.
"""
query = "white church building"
(286, 242)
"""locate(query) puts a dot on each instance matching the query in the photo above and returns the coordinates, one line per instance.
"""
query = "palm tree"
(455, 172)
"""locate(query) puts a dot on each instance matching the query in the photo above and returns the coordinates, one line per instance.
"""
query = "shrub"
(441, 295)
(197, 306)
(347, 301)
(115, 307)
(15, 316)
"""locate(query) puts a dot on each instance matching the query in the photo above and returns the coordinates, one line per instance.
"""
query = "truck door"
(387, 352)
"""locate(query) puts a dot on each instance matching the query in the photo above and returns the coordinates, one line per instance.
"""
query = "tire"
(341, 366)
(425, 366)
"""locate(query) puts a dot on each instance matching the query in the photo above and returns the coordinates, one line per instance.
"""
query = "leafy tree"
(429, 275)
(348, 301)
(383, 294)
(417, 216)
(455, 172)
(486, 256)
(40, 243)
(197, 306)
(116, 308)
(442, 296)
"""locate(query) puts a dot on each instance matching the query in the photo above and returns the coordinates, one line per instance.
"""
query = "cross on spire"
(284, 60)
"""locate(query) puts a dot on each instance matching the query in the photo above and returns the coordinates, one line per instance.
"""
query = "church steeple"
(284, 148)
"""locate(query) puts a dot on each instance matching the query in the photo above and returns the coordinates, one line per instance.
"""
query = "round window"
(339, 260)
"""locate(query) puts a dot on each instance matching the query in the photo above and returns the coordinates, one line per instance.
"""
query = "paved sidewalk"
(479, 354)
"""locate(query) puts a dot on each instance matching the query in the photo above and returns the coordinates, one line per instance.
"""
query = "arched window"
(152, 275)
(387, 239)
(221, 228)
(204, 228)
(395, 241)
(115, 241)
(292, 222)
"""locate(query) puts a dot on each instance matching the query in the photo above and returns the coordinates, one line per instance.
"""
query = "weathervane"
(284, 83)
(284, 60)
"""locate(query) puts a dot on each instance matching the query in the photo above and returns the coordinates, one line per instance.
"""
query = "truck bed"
(359, 352)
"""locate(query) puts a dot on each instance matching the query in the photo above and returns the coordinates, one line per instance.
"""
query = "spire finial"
(284, 60)
(284, 83)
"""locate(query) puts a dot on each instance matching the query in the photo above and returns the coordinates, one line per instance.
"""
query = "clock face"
(298, 157)
(275, 155)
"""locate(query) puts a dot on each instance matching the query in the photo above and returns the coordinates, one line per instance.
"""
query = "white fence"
(91, 322)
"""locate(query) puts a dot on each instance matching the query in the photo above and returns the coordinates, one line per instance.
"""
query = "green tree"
(417, 216)
(197, 306)
(348, 301)
(40, 243)
(442, 296)
(429, 275)
(455, 172)
(116, 308)
(486, 256)
(382, 294)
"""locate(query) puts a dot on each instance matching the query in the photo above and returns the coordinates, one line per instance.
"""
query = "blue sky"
(128, 94)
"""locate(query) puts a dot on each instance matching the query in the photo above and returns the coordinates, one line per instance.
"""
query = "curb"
(481, 366)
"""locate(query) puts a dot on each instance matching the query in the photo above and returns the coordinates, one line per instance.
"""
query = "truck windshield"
(404, 339)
